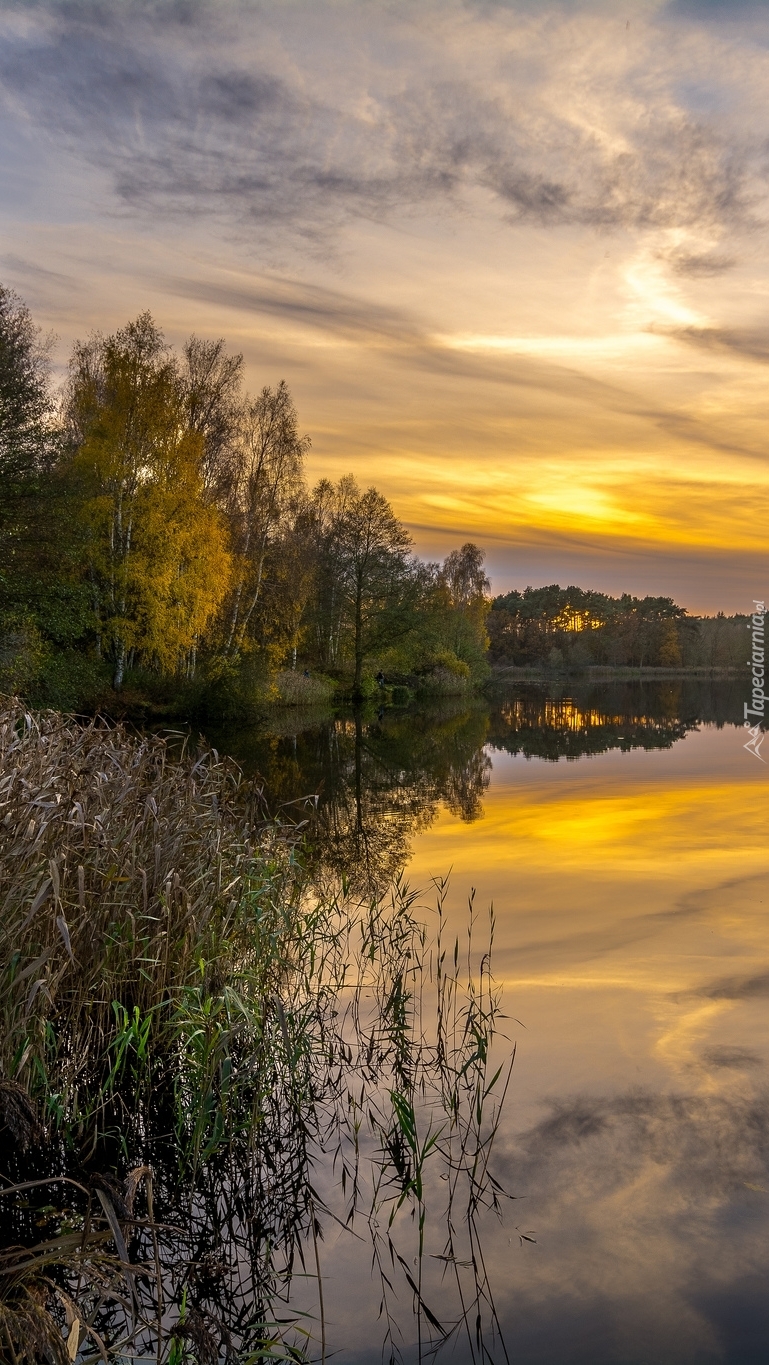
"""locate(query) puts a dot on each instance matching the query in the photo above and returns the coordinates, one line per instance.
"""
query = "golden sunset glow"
(531, 310)
(384, 431)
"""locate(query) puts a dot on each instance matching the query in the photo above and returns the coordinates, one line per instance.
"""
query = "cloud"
(748, 343)
(731, 1058)
(288, 120)
(333, 311)
(721, 10)
(755, 987)
(700, 265)
(337, 313)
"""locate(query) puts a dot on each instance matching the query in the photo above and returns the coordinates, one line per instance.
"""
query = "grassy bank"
(188, 1035)
(220, 692)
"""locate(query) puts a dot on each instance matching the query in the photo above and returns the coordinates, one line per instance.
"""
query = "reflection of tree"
(367, 783)
(594, 718)
(379, 779)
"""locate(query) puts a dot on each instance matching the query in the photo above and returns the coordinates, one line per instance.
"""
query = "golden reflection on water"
(630, 893)
(629, 880)
(613, 840)
(564, 714)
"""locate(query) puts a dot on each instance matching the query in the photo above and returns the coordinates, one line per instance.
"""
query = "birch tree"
(156, 549)
(268, 484)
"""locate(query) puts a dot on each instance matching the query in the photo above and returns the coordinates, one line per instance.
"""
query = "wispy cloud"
(285, 120)
(747, 343)
(473, 236)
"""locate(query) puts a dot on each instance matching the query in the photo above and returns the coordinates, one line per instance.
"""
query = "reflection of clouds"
(651, 1217)
(655, 827)
(643, 958)
(704, 1146)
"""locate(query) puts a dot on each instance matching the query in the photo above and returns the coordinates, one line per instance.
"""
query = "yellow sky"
(510, 258)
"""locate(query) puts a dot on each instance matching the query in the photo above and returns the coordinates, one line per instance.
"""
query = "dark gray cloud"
(731, 1058)
(700, 264)
(749, 343)
(228, 111)
(333, 311)
(753, 987)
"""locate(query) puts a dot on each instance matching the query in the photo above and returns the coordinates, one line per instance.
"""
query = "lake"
(620, 832)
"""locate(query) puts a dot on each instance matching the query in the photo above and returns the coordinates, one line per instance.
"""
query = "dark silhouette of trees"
(576, 628)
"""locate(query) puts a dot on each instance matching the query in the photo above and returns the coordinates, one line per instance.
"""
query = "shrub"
(21, 654)
(294, 689)
(446, 659)
(445, 682)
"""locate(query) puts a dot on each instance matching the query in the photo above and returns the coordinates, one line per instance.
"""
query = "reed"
(188, 1035)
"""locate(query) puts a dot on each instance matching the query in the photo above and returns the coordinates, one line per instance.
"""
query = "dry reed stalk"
(122, 869)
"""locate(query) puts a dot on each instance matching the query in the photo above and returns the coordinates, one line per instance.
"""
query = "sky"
(511, 258)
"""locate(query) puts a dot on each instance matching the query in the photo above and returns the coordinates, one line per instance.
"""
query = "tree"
(292, 577)
(212, 382)
(465, 579)
(373, 573)
(465, 576)
(26, 404)
(28, 444)
(266, 490)
(155, 549)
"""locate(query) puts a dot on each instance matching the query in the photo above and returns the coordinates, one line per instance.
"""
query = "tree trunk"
(358, 684)
(117, 681)
(358, 774)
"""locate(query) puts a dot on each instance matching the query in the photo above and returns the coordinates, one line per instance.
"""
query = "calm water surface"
(621, 834)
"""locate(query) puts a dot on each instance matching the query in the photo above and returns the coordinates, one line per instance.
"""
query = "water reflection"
(376, 780)
(630, 886)
(368, 782)
(593, 719)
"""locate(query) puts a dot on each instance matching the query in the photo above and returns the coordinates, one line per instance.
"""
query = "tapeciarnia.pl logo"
(758, 696)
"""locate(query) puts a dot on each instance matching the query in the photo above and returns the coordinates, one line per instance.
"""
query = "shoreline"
(604, 673)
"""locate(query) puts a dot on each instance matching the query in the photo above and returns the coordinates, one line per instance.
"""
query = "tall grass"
(188, 1037)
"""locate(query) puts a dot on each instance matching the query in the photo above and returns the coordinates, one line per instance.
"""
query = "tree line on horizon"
(156, 525)
(157, 533)
(571, 629)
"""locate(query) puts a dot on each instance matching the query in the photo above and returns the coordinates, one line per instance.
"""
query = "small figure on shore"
(380, 678)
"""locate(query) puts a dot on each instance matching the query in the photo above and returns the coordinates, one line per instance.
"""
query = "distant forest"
(571, 629)
(159, 542)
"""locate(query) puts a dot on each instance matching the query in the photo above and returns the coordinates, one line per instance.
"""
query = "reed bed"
(189, 1037)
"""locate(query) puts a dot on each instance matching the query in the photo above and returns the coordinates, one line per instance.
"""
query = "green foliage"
(157, 527)
(21, 653)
